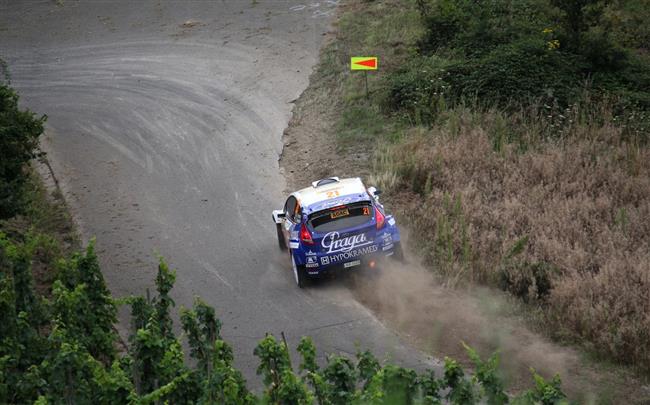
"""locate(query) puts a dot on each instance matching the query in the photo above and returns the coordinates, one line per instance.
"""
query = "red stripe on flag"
(368, 62)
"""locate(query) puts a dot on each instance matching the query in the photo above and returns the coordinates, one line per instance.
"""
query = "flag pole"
(366, 75)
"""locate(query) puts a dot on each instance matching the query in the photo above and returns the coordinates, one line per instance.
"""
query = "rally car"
(335, 224)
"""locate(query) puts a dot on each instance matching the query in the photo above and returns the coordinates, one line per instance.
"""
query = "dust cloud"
(437, 319)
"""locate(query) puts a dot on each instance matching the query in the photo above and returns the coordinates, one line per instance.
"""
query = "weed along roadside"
(513, 139)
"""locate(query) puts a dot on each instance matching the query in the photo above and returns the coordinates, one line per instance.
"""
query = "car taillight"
(380, 218)
(305, 236)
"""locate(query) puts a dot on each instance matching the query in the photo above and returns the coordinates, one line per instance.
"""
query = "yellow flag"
(363, 63)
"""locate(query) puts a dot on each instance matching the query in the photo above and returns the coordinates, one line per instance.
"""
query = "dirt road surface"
(165, 124)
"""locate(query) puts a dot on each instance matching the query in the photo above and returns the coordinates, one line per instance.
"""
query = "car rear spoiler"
(277, 216)
(326, 181)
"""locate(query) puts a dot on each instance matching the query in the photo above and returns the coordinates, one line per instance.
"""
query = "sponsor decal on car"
(333, 242)
(340, 213)
(312, 261)
(336, 202)
(387, 240)
(391, 221)
(344, 256)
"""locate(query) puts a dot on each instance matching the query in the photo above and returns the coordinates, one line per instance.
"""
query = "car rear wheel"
(299, 273)
(398, 253)
(282, 244)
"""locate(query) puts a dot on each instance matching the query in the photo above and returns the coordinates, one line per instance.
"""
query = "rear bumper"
(334, 263)
(317, 260)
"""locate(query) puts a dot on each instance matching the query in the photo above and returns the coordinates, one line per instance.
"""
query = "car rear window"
(342, 217)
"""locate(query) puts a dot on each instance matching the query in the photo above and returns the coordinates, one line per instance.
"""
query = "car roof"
(330, 193)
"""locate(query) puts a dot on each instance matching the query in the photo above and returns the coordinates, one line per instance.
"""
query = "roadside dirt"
(309, 145)
(434, 318)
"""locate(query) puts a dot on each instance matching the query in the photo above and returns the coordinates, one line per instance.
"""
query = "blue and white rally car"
(335, 224)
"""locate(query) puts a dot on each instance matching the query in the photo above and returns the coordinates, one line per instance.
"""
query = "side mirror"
(373, 191)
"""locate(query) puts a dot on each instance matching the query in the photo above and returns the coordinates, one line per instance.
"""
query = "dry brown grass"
(563, 224)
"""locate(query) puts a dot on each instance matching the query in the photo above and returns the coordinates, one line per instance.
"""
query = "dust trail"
(437, 319)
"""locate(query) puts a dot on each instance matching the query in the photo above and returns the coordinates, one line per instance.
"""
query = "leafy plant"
(487, 374)
(19, 134)
(545, 392)
(461, 390)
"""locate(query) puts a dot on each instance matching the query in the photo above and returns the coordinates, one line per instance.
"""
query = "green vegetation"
(515, 145)
(51, 352)
(19, 133)
(30, 215)
(519, 54)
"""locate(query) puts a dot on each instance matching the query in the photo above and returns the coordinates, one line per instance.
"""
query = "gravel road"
(165, 124)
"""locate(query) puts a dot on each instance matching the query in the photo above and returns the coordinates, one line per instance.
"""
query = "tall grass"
(553, 209)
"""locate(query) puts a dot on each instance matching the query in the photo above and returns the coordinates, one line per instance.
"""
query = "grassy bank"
(531, 175)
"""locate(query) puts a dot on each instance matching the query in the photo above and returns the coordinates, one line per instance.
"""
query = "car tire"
(282, 244)
(398, 253)
(299, 274)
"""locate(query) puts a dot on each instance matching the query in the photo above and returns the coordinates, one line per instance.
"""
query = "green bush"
(519, 73)
(19, 133)
(631, 84)
(520, 54)
(629, 91)
(601, 52)
(419, 88)
(442, 25)
(628, 20)
(474, 28)
(512, 75)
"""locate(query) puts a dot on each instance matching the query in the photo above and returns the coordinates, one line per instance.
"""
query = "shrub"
(19, 133)
(519, 74)
(601, 52)
(576, 17)
(514, 54)
(628, 20)
(419, 88)
(472, 28)
(442, 25)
